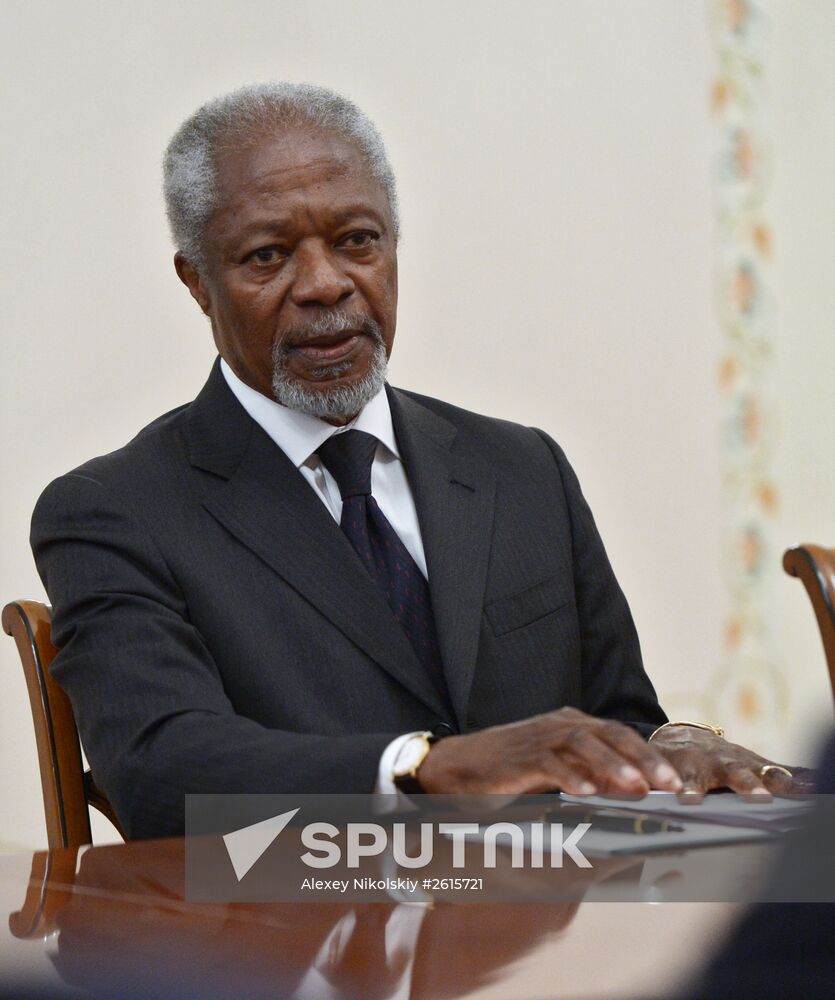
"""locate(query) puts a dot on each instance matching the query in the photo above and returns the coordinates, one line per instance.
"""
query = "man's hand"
(705, 761)
(566, 750)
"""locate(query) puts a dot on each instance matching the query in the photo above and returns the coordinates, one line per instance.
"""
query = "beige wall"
(554, 166)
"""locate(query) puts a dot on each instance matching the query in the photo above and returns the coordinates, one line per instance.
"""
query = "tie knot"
(348, 458)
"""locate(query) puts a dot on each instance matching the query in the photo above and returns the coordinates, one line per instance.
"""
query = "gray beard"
(337, 402)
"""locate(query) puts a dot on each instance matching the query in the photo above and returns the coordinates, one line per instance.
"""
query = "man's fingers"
(746, 782)
(695, 781)
(617, 758)
(776, 780)
(740, 778)
(657, 770)
(562, 773)
(609, 770)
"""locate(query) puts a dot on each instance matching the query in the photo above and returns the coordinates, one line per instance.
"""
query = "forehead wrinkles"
(271, 179)
(280, 164)
(317, 196)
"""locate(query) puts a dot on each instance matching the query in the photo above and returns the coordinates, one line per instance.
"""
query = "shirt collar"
(298, 434)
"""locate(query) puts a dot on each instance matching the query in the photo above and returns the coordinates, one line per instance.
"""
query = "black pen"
(621, 823)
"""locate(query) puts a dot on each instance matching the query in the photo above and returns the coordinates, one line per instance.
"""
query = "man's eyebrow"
(346, 213)
(274, 227)
(338, 217)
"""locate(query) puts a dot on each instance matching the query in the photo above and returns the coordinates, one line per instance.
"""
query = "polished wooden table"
(114, 918)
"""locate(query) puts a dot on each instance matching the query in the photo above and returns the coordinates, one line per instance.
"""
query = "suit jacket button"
(472, 723)
(443, 729)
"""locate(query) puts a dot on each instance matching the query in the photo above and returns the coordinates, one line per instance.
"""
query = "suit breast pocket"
(527, 606)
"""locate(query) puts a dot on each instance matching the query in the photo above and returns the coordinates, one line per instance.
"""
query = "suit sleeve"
(614, 682)
(149, 702)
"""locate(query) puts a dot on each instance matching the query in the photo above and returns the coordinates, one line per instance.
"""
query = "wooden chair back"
(815, 566)
(67, 788)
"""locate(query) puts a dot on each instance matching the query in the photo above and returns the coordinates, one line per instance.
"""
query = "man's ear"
(194, 281)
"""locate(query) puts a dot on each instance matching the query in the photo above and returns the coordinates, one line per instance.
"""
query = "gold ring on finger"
(774, 767)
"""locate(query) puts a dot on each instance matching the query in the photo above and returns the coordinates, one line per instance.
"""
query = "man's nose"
(318, 278)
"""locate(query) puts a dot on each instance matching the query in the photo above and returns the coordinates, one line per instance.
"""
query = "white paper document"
(608, 843)
(600, 839)
(724, 808)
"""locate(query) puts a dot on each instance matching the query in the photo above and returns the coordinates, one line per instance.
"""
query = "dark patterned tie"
(348, 457)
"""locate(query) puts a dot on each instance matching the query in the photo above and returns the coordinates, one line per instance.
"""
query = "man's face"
(300, 281)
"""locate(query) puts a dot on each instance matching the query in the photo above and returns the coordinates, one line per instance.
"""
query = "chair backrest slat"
(814, 565)
(59, 751)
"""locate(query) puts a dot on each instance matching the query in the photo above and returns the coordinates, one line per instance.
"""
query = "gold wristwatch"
(412, 754)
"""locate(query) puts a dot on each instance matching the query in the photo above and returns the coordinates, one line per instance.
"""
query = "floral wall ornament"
(748, 691)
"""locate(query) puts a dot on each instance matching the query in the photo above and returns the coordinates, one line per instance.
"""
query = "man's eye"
(359, 240)
(267, 255)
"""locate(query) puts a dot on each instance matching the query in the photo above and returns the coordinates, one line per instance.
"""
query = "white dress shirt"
(299, 435)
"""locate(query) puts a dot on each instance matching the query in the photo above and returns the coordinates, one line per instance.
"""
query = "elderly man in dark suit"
(304, 579)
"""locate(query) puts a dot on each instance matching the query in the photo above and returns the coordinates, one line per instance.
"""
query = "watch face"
(411, 754)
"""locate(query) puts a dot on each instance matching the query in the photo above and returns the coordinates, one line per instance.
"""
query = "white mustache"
(328, 324)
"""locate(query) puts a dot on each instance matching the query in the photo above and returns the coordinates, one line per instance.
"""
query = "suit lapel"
(266, 504)
(454, 496)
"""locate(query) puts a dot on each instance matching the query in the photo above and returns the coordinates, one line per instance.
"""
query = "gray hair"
(189, 175)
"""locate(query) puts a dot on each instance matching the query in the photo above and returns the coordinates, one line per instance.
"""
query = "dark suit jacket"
(219, 634)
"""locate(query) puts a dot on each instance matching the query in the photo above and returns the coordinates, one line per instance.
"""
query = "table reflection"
(124, 929)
